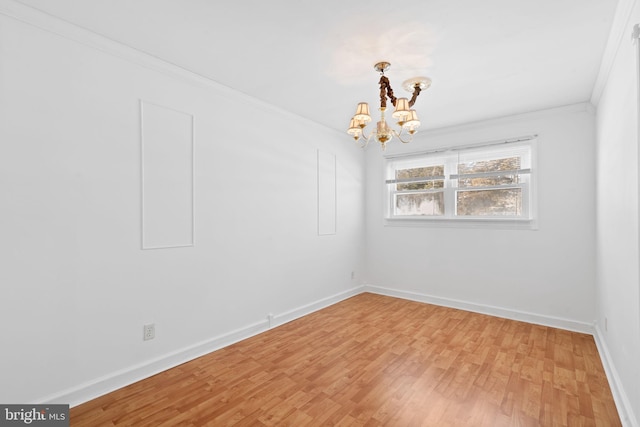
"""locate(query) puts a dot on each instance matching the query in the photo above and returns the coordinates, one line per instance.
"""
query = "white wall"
(618, 296)
(76, 286)
(544, 275)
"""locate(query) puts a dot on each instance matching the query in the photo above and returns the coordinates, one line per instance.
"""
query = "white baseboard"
(122, 378)
(106, 384)
(118, 379)
(296, 313)
(555, 322)
(625, 409)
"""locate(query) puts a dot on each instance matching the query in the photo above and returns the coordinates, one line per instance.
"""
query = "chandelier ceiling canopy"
(406, 116)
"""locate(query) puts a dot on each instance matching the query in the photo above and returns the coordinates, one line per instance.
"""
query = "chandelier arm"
(416, 92)
(399, 136)
(365, 139)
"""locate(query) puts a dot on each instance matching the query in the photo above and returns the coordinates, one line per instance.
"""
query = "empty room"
(279, 213)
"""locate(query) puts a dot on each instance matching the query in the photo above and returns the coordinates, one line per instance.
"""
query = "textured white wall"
(618, 281)
(77, 288)
(548, 273)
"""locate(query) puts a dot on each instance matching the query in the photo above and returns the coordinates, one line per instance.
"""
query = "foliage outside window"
(490, 182)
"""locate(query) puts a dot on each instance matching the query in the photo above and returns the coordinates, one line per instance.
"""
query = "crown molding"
(512, 118)
(618, 33)
(44, 21)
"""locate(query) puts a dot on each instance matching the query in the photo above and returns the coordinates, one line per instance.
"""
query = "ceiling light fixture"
(406, 116)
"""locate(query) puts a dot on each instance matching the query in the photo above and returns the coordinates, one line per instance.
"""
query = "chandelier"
(406, 117)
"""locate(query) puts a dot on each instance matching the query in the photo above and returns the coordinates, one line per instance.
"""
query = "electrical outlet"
(606, 326)
(270, 319)
(353, 275)
(149, 332)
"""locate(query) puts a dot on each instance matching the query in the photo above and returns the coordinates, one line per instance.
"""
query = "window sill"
(486, 223)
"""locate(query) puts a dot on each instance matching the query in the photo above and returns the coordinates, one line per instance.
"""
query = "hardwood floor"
(374, 360)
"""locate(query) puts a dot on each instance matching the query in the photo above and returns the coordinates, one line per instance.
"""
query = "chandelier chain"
(386, 92)
(416, 92)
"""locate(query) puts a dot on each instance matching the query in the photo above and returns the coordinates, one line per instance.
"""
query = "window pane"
(422, 172)
(506, 201)
(506, 164)
(419, 204)
(489, 181)
(493, 165)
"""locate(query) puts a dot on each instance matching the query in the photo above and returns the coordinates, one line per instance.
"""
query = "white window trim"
(528, 223)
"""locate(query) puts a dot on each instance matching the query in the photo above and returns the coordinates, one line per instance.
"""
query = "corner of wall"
(625, 409)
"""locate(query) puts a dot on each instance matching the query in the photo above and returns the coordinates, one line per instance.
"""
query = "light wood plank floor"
(374, 360)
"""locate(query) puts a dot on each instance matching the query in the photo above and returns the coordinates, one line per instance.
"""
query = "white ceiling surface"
(486, 58)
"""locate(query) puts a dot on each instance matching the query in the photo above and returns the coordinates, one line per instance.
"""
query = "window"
(491, 182)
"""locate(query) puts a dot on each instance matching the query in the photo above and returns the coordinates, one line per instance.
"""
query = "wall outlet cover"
(149, 332)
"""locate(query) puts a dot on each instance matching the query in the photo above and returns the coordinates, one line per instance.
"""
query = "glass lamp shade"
(412, 121)
(362, 112)
(402, 109)
(354, 128)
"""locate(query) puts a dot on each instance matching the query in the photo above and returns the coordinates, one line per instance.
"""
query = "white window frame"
(525, 147)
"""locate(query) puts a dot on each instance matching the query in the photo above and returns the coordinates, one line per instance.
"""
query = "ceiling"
(486, 58)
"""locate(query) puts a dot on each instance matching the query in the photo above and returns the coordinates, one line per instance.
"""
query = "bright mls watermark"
(34, 415)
